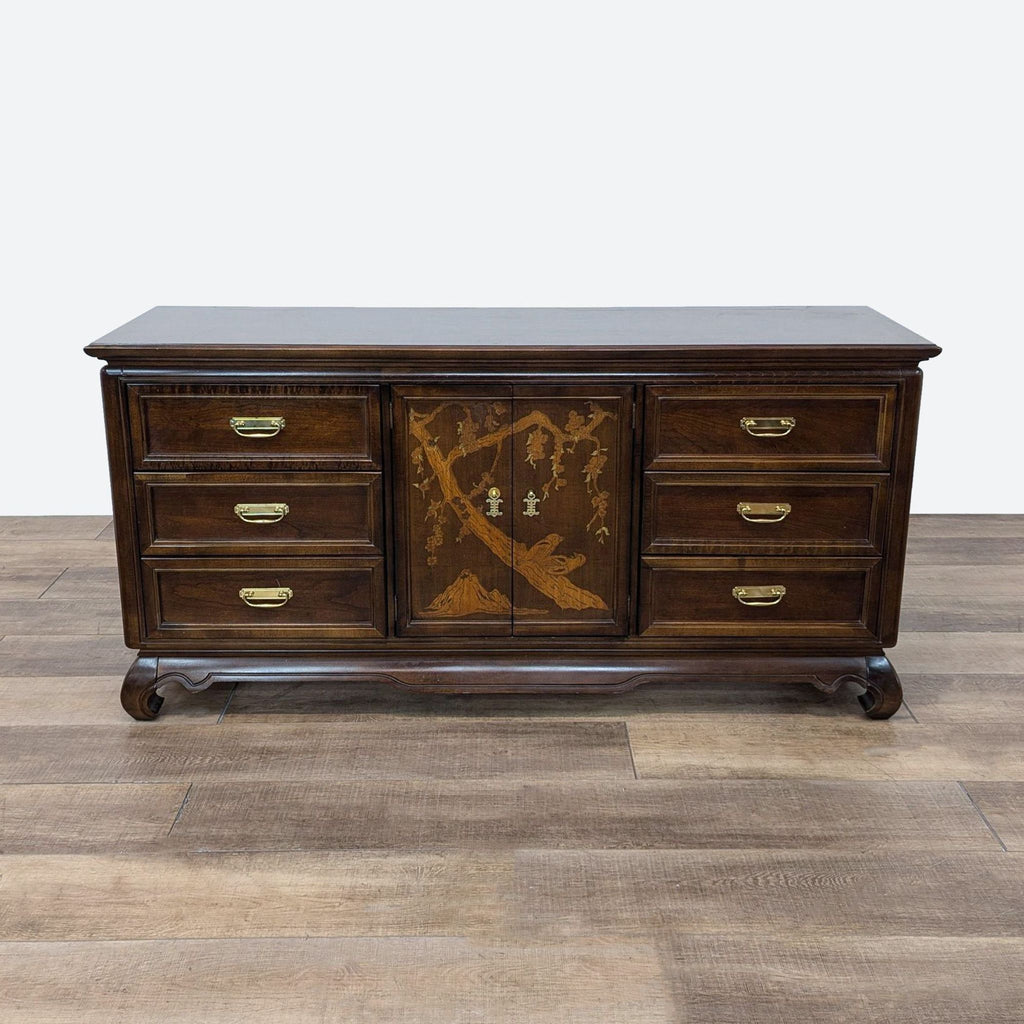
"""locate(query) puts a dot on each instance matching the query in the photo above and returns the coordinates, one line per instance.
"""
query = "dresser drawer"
(778, 513)
(758, 597)
(311, 598)
(251, 426)
(259, 513)
(761, 427)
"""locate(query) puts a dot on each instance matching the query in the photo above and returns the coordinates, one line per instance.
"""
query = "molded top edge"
(269, 333)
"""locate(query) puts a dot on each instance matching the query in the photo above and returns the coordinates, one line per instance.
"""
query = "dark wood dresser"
(513, 500)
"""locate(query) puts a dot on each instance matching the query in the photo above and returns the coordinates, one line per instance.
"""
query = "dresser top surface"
(233, 332)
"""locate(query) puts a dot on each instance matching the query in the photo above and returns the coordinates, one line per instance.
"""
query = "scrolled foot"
(138, 691)
(884, 694)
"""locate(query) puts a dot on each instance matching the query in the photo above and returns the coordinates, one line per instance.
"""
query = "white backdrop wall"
(535, 153)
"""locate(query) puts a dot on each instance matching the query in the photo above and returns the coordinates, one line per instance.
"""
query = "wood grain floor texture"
(763, 855)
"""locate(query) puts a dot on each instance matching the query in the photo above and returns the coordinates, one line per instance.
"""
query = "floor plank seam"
(224, 710)
(94, 784)
(57, 580)
(629, 747)
(376, 937)
(982, 815)
(181, 809)
(910, 711)
(865, 850)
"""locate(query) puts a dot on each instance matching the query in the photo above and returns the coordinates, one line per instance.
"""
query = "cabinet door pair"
(513, 509)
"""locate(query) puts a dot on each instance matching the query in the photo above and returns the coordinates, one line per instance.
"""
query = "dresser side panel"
(907, 415)
(119, 458)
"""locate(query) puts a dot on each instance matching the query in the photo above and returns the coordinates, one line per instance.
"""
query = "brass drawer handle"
(257, 426)
(759, 597)
(764, 511)
(768, 426)
(265, 597)
(272, 513)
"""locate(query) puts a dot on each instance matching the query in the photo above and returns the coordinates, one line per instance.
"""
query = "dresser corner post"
(119, 458)
(897, 528)
(138, 691)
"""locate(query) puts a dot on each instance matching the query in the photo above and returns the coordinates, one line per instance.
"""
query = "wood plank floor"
(712, 855)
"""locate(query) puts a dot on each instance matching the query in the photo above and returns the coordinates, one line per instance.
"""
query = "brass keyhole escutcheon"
(531, 501)
(494, 501)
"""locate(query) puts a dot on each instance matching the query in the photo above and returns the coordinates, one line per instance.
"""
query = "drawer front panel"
(822, 597)
(269, 513)
(309, 598)
(252, 426)
(783, 514)
(781, 427)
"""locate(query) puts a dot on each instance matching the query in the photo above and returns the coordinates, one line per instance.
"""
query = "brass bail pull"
(768, 426)
(764, 511)
(269, 513)
(257, 426)
(265, 597)
(759, 597)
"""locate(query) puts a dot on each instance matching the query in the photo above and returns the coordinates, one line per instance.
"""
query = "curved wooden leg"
(884, 693)
(138, 691)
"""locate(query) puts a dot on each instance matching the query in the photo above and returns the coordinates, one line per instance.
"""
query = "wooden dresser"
(513, 500)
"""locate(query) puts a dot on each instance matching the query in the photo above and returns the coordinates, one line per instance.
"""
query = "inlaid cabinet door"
(571, 486)
(453, 509)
